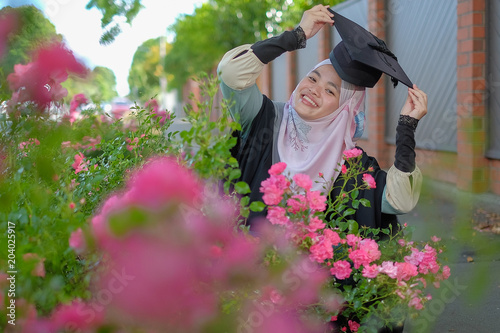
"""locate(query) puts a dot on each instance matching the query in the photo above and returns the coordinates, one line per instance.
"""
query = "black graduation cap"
(361, 57)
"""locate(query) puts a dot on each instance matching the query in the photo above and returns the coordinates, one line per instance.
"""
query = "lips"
(309, 100)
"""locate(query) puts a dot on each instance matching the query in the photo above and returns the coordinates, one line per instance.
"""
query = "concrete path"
(470, 300)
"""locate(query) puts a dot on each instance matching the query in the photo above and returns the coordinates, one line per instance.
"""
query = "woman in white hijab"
(323, 117)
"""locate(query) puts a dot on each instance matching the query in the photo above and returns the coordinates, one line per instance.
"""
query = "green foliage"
(32, 30)
(46, 199)
(99, 85)
(146, 70)
(112, 11)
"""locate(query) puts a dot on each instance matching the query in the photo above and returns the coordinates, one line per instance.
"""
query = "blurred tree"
(112, 11)
(99, 86)
(32, 29)
(146, 70)
(219, 25)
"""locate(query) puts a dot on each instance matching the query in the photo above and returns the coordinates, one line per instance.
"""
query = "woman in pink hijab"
(323, 117)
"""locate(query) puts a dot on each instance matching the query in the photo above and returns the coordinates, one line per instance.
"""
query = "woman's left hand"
(416, 103)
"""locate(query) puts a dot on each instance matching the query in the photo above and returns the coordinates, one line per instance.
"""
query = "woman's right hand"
(314, 19)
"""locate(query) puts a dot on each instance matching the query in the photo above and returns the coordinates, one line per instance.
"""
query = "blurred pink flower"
(76, 101)
(77, 241)
(80, 164)
(405, 271)
(435, 239)
(72, 205)
(76, 316)
(369, 180)
(39, 269)
(40, 80)
(353, 326)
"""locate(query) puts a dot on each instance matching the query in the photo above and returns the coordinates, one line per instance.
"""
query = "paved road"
(470, 300)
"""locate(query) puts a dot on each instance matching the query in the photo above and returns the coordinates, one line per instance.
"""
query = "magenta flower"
(352, 153)
(369, 180)
(341, 269)
(332, 236)
(77, 241)
(277, 215)
(40, 81)
(343, 169)
(277, 168)
(370, 271)
(315, 224)
(80, 164)
(353, 326)
(321, 250)
(316, 201)
(303, 181)
(297, 203)
(405, 271)
(389, 269)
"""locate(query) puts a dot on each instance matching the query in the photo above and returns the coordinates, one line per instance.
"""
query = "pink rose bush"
(39, 81)
(171, 260)
(399, 270)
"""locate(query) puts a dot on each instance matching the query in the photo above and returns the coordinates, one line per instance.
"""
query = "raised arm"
(404, 179)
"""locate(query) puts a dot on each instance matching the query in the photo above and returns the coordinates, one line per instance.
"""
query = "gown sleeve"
(404, 178)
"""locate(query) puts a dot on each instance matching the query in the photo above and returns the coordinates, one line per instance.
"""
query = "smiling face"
(318, 94)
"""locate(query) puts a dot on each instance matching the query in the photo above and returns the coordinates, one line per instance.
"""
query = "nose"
(315, 90)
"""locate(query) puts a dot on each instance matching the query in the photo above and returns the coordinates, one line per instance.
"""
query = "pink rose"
(316, 201)
(353, 326)
(389, 269)
(368, 179)
(303, 181)
(277, 168)
(352, 153)
(341, 269)
(277, 215)
(406, 271)
(297, 203)
(370, 271)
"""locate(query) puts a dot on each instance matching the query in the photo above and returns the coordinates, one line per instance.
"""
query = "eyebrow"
(329, 82)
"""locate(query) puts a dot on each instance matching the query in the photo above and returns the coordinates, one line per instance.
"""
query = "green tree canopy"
(99, 86)
(112, 11)
(32, 30)
(217, 26)
(146, 70)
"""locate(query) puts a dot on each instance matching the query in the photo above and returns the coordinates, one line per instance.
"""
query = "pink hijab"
(317, 146)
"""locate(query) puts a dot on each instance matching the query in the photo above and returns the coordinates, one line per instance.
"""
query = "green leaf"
(234, 174)
(365, 202)
(257, 206)
(242, 188)
(354, 194)
(353, 226)
(348, 212)
(355, 204)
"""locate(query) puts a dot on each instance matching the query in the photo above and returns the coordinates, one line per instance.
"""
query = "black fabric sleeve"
(269, 49)
(405, 143)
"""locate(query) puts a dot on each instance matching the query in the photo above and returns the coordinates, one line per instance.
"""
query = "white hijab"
(316, 146)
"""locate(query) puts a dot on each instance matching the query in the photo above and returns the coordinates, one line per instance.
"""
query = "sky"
(81, 29)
